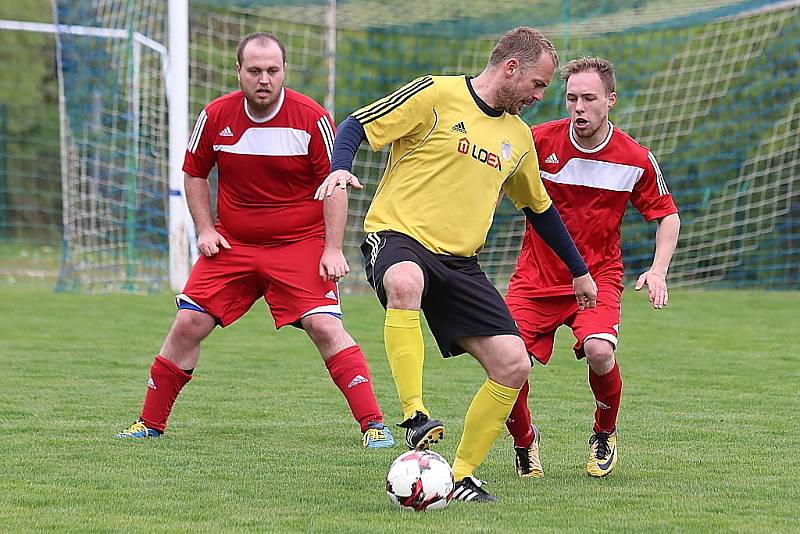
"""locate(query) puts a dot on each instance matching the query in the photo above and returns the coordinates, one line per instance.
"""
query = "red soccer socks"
(349, 371)
(165, 382)
(607, 391)
(519, 421)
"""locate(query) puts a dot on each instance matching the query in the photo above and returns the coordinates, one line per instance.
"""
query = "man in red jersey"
(591, 169)
(272, 147)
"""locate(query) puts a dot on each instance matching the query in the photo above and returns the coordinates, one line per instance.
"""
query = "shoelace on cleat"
(524, 459)
(136, 427)
(600, 442)
(416, 420)
(376, 434)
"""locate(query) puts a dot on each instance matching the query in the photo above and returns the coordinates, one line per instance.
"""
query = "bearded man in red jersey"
(271, 239)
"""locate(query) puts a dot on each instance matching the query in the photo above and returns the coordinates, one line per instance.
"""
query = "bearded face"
(261, 76)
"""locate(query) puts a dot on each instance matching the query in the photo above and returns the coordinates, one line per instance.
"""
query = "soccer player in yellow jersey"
(456, 142)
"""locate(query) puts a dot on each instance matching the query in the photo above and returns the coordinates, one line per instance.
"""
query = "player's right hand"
(340, 179)
(209, 241)
(585, 291)
(333, 265)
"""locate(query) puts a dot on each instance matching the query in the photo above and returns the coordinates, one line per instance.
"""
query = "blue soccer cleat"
(378, 436)
(139, 430)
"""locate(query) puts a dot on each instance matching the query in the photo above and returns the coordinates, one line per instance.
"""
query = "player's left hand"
(340, 179)
(333, 265)
(656, 288)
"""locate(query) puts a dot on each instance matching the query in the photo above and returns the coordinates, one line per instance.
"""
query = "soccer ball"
(420, 480)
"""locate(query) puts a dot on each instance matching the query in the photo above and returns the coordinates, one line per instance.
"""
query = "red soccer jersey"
(268, 169)
(591, 190)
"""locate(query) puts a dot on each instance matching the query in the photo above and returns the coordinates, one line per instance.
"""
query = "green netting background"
(712, 87)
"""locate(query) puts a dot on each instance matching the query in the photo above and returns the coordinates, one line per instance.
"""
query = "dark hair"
(258, 36)
(603, 67)
(524, 44)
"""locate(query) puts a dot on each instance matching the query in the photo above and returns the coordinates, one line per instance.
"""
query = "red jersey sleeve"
(650, 195)
(200, 155)
(321, 146)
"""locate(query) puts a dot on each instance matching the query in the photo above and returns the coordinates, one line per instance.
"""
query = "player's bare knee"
(599, 355)
(326, 330)
(404, 284)
(511, 370)
(192, 326)
(519, 369)
(321, 326)
(404, 298)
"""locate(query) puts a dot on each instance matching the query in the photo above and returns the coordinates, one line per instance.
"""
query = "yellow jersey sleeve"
(407, 113)
(525, 188)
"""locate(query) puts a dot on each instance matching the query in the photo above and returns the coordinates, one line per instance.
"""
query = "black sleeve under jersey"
(349, 136)
(551, 229)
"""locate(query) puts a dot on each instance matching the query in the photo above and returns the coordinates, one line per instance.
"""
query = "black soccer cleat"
(421, 431)
(470, 489)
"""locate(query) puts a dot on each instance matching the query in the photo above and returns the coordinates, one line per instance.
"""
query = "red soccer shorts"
(538, 318)
(227, 284)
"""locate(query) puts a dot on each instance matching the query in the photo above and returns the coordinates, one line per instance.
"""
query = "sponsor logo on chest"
(481, 154)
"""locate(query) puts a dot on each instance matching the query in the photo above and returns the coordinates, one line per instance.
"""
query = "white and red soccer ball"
(420, 480)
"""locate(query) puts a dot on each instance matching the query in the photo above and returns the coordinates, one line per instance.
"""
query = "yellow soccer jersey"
(451, 154)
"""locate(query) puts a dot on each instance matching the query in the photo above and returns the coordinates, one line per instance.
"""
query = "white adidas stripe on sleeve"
(662, 185)
(326, 130)
(194, 140)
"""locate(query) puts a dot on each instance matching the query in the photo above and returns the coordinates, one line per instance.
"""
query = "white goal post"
(181, 227)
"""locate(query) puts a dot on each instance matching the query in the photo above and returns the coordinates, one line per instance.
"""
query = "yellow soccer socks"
(405, 349)
(486, 418)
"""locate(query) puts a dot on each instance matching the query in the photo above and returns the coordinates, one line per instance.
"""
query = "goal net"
(711, 87)
(104, 96)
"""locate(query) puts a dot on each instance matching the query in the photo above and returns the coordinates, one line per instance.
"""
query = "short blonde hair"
(603, 67)
(524, 44)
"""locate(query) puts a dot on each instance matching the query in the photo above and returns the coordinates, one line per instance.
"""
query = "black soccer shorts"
(457, 300)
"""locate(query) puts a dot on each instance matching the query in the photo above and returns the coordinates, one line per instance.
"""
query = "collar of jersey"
(486, 108)
(271, 115)
(598, 148)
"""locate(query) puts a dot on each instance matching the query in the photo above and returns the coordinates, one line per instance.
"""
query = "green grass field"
(261, 440)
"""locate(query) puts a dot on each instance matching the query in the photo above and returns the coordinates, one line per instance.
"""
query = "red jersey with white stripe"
(268, 169)
(591, 190)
